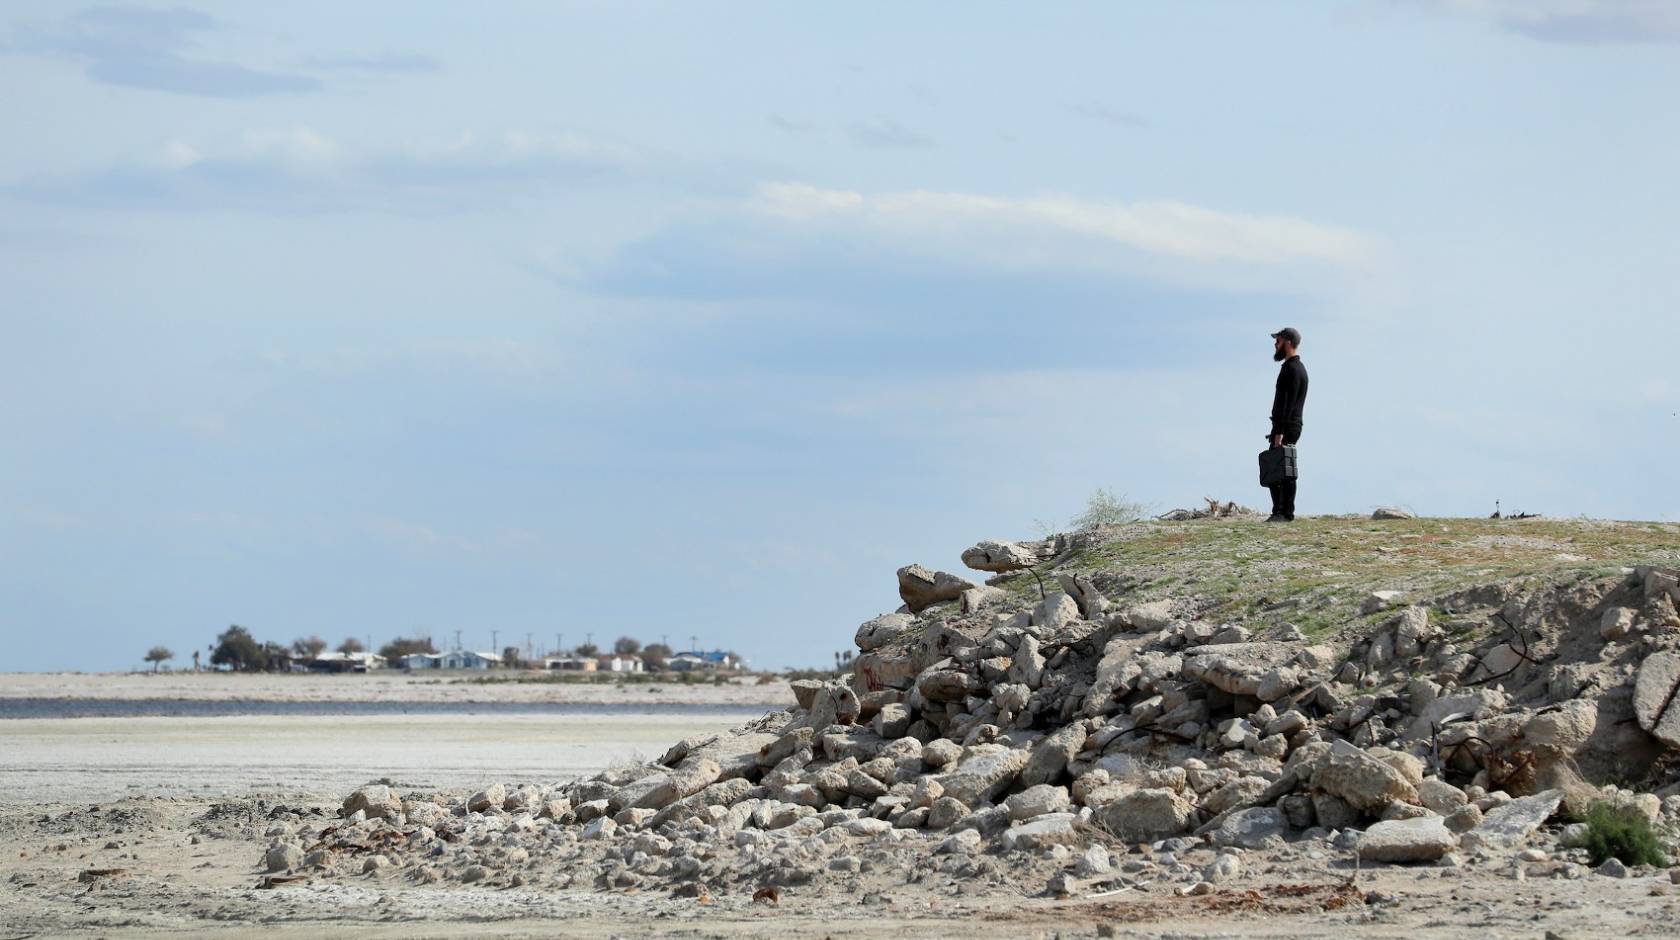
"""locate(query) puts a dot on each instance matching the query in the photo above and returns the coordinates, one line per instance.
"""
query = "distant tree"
(277, 657)
(587, 650)
(236, 649)
(511, 657)
(403, 646)
(655, 656)
(351, 645)
(157, 654)
(309, 647)
(627, 646)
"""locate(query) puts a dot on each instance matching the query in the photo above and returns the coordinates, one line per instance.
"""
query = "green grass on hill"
(1314, 572)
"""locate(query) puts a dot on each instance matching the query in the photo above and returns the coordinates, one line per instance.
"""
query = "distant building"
(571, 663)
(346, 662)
(621, 663)
(423, 661)
(468, 659)
(702, 659)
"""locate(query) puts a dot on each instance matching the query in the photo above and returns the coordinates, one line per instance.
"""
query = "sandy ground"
(387, 686)
(155, 827)
(92, 760)
(154, 868)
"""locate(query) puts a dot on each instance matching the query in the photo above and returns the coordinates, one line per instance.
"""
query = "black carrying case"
(1277, 464)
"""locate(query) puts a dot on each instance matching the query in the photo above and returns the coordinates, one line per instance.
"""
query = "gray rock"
(966, 842)
(1042, 832)
(1237, 668)
(1367, 784)
(1656, 704)
(987, 770)
(1412, 632)
(1050, 756)
(1391, 512)
(1258, 827)
(999, 556)
(1147, 815)
(487, 800)
(283, 856)
(1027, 667)
(940, 752)
(1612, 868)
(1440, 796)
(876, 633)
(1055, 612)
(1223, 869)
(1424, 839)
(376, 800)
(893, 720)
(1616, 623)
(805, 691)
(1564, 729)
(1508, 826)
(1380, 600)
(1090, 601)
(920, 588)
(1035, 801)
(945, 812)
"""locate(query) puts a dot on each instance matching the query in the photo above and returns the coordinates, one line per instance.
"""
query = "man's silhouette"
(1287, 403)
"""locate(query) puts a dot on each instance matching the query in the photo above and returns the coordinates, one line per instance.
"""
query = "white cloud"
(1176, 229)
(1579, 21)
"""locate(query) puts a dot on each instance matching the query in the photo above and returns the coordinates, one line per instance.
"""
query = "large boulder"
(834, 704)
(1364, 782)
(1090, 601)
(1258, 827)
(1656, 696)
(1424, 839)
(1042, 832)
(1508, 826)
(377, 800)
(985, 771)
(1054, 612)
(1147, 815)
(921, 588)
(1050, 756)
(659, 790)
(876, 633)
(1242, 668)
(992, 555)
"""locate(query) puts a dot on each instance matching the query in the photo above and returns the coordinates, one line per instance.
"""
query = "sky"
(690, 319)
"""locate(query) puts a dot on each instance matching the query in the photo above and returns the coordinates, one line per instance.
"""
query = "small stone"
(1612, 868)
(283, 856)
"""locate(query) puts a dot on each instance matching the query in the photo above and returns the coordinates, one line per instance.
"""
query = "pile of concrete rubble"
(988, 734)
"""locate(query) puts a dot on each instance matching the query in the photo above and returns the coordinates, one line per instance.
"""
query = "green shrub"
(1623, 833)
(1106, 508)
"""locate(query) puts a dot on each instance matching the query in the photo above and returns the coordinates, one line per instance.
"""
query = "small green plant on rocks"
(1622, 833)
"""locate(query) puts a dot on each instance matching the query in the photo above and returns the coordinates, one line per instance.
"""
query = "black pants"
(1283, 494)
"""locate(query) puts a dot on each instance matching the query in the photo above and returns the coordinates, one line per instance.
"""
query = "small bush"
(1622, 833)
(1105, 508)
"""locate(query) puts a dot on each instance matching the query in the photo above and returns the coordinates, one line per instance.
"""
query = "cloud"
(1174, 229)
(1578, 21)
(301, 169)
(156, 50)
(1098, 111)
(381, 62)
(886, 134)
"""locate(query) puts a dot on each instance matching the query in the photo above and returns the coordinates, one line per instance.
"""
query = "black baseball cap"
(1289, 333)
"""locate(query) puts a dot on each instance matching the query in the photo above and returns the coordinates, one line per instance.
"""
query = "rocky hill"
(1172, 702)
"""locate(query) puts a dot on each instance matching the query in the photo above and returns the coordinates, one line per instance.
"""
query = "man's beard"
(1279, 356)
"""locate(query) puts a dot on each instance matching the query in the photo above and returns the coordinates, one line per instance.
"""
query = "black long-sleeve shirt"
(1291, 396)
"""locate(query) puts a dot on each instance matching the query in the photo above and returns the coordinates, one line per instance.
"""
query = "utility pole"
(694, 643)
(589, 638)
(457, 639)
(493, 635)
(665, 640)
(527, 646)
(558, 646)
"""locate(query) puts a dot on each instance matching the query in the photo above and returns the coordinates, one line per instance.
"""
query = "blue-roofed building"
(703, 659)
